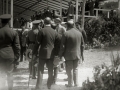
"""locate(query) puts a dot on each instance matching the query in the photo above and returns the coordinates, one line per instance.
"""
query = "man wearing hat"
(32, 35)
(47, 38)
(60, 30)
(9, 51)
(71, 44)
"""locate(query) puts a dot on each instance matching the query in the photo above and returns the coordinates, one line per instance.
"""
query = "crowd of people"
(89, 6)
(48, 42)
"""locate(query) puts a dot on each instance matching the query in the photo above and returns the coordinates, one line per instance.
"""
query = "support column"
(76, 10)
(11, 14)
(3, 6)
(61, 8)
(108, 14)
(119, 4)
(6, 6)
(47, 3)
(118, 11)
(96, 13)
(83, 14)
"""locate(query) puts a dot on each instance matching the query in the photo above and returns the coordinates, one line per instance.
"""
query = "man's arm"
(37, 43)
(57, 44)
(62, 46)
(82, 48)
(16, 47)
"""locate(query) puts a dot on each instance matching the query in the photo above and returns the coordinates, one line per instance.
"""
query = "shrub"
(105, 77)
(103, 30)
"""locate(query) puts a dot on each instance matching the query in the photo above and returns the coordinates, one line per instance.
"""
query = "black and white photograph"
(59, 44)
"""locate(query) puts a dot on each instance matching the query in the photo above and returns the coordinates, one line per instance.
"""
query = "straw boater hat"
(58, 20)
(36, 22)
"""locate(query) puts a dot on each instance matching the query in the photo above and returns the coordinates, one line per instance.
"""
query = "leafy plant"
(105, 77)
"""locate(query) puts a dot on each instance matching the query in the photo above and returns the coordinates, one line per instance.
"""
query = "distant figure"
(9, 52)
(16, 23)
(71, 8)
(91, 7)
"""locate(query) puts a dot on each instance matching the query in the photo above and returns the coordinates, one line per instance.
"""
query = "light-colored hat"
(36, 21)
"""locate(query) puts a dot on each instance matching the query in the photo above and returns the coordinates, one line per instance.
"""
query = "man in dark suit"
(22, 37)
(9, 51)
(71, 44)
(47, 38)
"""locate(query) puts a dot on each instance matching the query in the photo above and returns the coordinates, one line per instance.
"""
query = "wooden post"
(108, 15)
(3, 7)
(118, 4)
(6, 6)
(76, 10)
(47, 3)
(83, 14)
(61, 8)
(96, 13)
(12, 13)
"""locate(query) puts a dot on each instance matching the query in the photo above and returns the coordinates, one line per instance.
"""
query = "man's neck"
(48, 25)
(5, 25)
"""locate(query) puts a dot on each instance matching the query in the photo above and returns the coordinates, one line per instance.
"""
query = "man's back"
(32, 34)
(72, 41)
(8, 41)
(47, 37)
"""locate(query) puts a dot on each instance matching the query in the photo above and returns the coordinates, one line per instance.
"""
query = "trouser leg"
(55, 74)
(50, 72)
(10, 68)
(2, 81)
(33, 71)
(40, 74)
(21, 54)
(23, 50)
(10, 81)
(30, 68)
(69, 68)
(75, 72)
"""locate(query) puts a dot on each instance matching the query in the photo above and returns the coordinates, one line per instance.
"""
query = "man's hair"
(47, 20)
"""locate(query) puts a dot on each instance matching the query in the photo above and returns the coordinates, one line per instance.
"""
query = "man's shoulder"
(73, 30)
(9, 31)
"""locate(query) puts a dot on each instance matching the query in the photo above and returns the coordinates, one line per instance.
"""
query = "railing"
(96, 16)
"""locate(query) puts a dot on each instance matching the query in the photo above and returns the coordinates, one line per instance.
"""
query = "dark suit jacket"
(47, 39)
(32, 35)
(9, 43)
(71, 45)
(31, 38)
(22, 37)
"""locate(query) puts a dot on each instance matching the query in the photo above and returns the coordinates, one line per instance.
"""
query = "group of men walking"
(52, 44)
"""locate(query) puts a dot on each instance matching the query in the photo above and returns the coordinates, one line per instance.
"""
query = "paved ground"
(92, 58)
(22, 76)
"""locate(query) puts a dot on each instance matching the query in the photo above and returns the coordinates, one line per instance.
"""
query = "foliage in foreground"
(105, 77)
